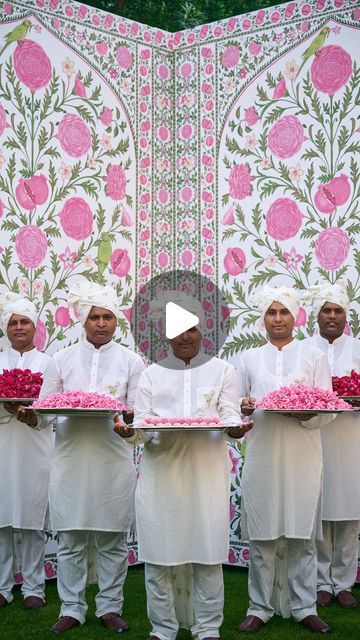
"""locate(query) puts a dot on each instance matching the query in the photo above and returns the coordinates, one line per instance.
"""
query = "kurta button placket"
(279, 369)
(331, 357)
(94, 370)
(187, 393)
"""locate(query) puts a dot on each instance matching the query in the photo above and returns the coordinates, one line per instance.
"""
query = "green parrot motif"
(104, 253)
(17, 34)
(314, 47)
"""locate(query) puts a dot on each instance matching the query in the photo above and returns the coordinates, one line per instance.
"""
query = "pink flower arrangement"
(332, 247)
(286, 137)
(76, 219)
(234, 261)
(32, 191)
(123, 57)
(300, 397)
(240, 181)
(74, 135)
(347, 385)
(283, 219)
(230, 56)
(331, 69)
(20, 383)
(115, 180)
(181, 421)
(79, 400)
(32, 65)
(31, 245)
(120, 262)
(332, 194)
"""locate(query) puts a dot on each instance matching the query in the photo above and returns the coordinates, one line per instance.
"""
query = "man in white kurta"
(182, 496)
(92, 480)
(338, 551)
(24, 463)
(282, 475)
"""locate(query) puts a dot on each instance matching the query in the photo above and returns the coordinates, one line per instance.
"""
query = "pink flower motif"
(283, 219)
(163, 259)
(68, 258)
(120, 262)
(251, 117)
(62, 317)
(32, 191)
(115, 182)
(106, 116)
(286, 137)
(18, 579)
(234, 261)
(31, 245)
(280, 89)
(3, 124)
(187, 257)
(240, 181)
(254, 48)
(7, 8)
(32, 65)
(234, 462)
(49, 569)
(332, 248)
(300, 320)
(126, 220)
(228, 217)
(40, 335)
(102, 48)
(230, 56)
(79, 88)
(76, 218)
(232, 511)
(74, 135)
(292, 259)
(128, 314)
(245, 555)
(1, 208)
(332, 194)
(131, 556)
(331, 69)
(232, 556)
(123, 57)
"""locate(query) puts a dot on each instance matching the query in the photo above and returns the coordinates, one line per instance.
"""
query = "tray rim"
(64, 411)
(295, 411)
(2, 400)
(179, 428)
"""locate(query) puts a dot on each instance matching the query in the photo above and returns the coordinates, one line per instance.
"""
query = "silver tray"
(22, 400)
(188, 427)
(79, 413)
(295, 412)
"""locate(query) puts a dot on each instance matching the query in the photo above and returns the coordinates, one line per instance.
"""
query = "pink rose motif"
(102, 48)
(225, 312)
(254, 48)
(123, 57)
(62, 317)
(286, 137)
(106, 116)
(245, 555)
(280, 89)
(115, 182)
(234, 261)
(126, 219)
(32, 65)
(300, 320)
(228, 217)
(283, 219)
(74, 135)
(49, 569)
(331, 69)
(332, 248)
(332, 194)
(131, 556)
(240, 181)
(76, 218)
(31, 245)
(163, 259)
(232, 556)
(251, 117)
(32, 191)
(18, 579)
(40, 335)
(79, 88)
(2, 119)
(187, 257)
(230, 56)
(120, 262)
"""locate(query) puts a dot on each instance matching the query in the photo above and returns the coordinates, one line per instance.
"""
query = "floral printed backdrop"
(230, 149)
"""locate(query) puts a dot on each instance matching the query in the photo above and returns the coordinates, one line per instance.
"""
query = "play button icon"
(178, 320)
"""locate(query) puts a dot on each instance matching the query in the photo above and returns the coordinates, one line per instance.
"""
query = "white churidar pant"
(208, 601)
(32, 551)
(337, 555)
(112, 557)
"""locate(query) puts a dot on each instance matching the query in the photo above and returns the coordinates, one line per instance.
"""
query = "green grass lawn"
(18, 624)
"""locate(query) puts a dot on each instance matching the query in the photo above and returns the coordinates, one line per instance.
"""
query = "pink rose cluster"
(300, 397)
(79, 400)
(331, 69)
(347, 385)
(181, 421)
(20, 383)
(32, 65)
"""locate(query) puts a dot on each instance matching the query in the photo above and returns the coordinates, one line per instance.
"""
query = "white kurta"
(182, 496)
(341, 438)
(92, 479)
(25, 457)
(281, 481)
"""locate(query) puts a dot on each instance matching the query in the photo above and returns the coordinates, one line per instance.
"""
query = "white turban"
(13, 303)
(84, 295)
(158, 306)
(286, 296)
(317, 295)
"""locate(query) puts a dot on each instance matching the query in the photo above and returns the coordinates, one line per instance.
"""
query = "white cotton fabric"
(191, 304)
(341, 439)
(32, 553)
(182, 496)
(84, 295)
(24, 456)
(317, 295)
(13, 303)
(282, 475)
(337, 556)
(286, 296)
(92, 479)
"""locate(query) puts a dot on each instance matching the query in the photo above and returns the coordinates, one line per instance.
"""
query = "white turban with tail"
(158, 306)
(84, 295)
(13, 303)
(317, 295)
(286, 296)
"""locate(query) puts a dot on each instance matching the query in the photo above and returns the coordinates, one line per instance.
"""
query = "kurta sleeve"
(244, 384)
(228, 401)
(321, 379)
(52, 384)
(136, 369)
(142, 409)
